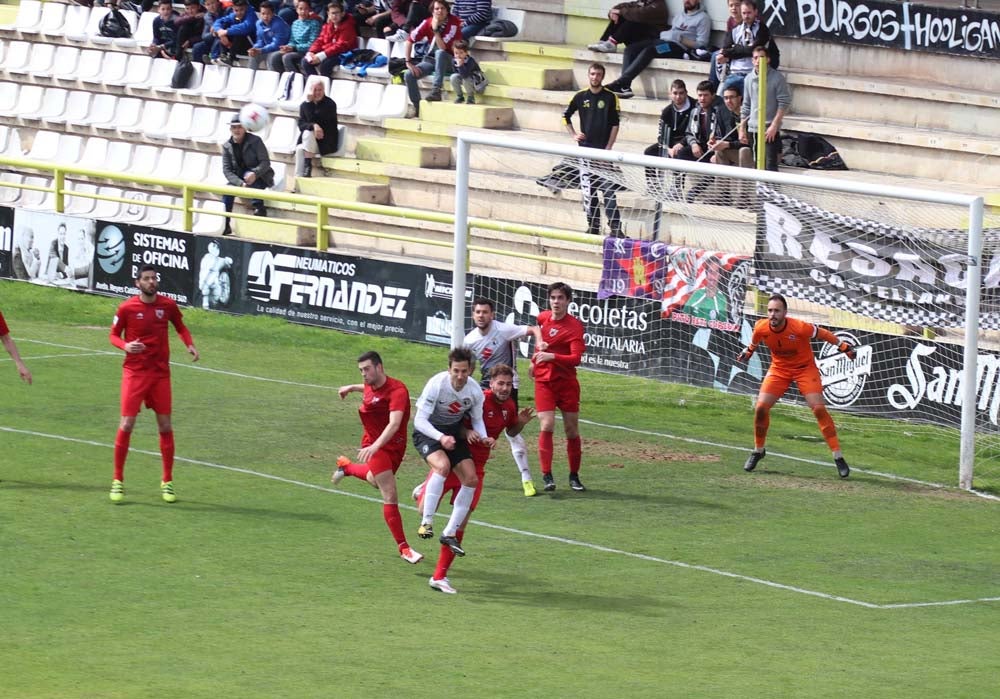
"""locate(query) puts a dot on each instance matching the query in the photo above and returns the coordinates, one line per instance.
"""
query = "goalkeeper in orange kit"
(791, 360)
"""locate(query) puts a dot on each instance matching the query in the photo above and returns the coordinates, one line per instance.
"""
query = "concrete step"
(344, 189)
(404, 152)
(485, 116)
(523, 74)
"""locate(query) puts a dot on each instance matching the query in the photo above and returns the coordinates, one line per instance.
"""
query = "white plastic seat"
(220, 131)
(344, 92)
(63, 64)
(265, 82)
(126, 118)
(77, 205)
(203, 123)
(45, 146)
(40, 61)
(368, 100)
(96, 37)
(8, 98)
(102, 110)
(17, 56)
(13, 147)
(29, 100)
(91, 28)
(53, 103)
(144, 160)
(290, 96)
(76, 109)
(139, 67)
(158, 217)
(119, 157)
(154, 117)
(95, 153)
(107, 209)
(28, 15)
(114, 65)
(4, 135)
(194, 166)
(9, 195)
(394, 102)
(193, 83)
(280, 170)
(178, 123)
(33, 199)
(214, 173)
(88, 66)
(283, 135)
(170, 164)
(213, 82)
(341, 143)
(142, 35)
(239, 84)
(210, 220)
(69, 149)
(76, 16)
(135, 209)
(161, 73)
(52, 17)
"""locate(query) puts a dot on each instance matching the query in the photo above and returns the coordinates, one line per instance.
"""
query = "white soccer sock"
(461, 509)
(519, 450)
(432, 496)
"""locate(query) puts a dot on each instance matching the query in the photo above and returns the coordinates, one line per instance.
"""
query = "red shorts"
(452, 485)
(563, 393)
(385, 460)
(151, 389)
(807, 379)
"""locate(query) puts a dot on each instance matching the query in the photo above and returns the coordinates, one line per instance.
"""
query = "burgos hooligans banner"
(121, 250)
(913, 276)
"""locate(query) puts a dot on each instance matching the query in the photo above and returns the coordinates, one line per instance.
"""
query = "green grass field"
(675, 575)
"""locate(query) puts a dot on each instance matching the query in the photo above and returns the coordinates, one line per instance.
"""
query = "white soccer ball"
(254, 117)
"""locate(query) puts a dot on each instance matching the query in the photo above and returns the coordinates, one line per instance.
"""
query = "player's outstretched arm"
(8, 343)
(349, 388)
(193, 351)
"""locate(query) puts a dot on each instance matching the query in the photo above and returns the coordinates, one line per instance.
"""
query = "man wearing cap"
(245, 163)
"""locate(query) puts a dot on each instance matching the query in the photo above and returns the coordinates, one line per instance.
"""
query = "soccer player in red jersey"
(554, 368)
(789, 340)
(8, 343)
(140, 329)
(385, 413)
(500, 414)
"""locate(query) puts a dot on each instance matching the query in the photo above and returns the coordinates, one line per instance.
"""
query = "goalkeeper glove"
(847, 349)
(744, 355)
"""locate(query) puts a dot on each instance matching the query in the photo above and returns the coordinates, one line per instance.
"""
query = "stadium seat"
(194, 166)
(139, 67)
(8, 98)
(135, 209)
(343, 92)
(290, 92)
(95, 153)
(213, 81)
(45, 146)
(265, 82)
(17, 56)
(88, 65)
(170, 164)
(76, 109)
(158, 217)
(29, 13)
(77, 205)
(12, 147)
(515, 17)
(280, 170)
(210, 219)
(238, 86)
(29, 100)
(393, 103)
(114, 65)
(160, 74)
(368, 100)
(33, 199)
(53, 104)
(99, 40)
(154, 117)
(10, 195)
(220, 130)
(4, 135)
(193, 83)
(283, 135)
(53, 14)
(341, 143)
(142, 35)
(144, 160)
(214, 173)
(178, 123)
(128, 117)
(107, 209)
(40, 61)
(103, 110)
(119, 157)
(203, 123)
(383, 47)
(76, 16)
(64, 64)
(83, 33)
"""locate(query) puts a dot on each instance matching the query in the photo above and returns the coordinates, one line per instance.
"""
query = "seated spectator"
(777, 104)
(304, 31)
(463, 80)
(702, 125)
(725, 142)
(404, 16)
(189, 24)
(272, 34)
(740, 43)
(440, 30)
(689, 35)
(245, 163)
(475, 15)
(365, 10)
(27, 260)
(734, 19)
(336, 37)
(234, 33)
(673, 122)
(318, 134)
(201, 48)
(164, 32)
(630, 22)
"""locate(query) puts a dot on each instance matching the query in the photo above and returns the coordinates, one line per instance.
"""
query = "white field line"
(36, 357)
(522, 532)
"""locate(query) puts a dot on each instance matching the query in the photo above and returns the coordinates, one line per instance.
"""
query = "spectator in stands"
(404, 16)
(702, 125)
(688, 36)
(189, 24)
(245, 163)
(164, 32)
(304, 31)
(201, 48)
(671, 131)
(734, 19)
(630, 22)
(725, 142)
(441, 30)
(365, 10)
(318, 129)
(272, 34)
(475, 15)
(778, 101)
(740, 43)
(337, 36)
(466, 67)
(234, 33)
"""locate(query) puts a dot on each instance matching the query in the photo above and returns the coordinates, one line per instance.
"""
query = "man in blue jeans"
(245, 163)
(440, 31)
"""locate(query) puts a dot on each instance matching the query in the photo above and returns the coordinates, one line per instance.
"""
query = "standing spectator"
(740, 43)
(599, 119)
(234, 33)
(631, 22)
(689, 35)
(164, 32)
(190, 25)
(337, 36)
(404, 15)
(475, 15)
(441, 30)
(272, 34)
(463, 80)
(245, 163)
(779, 100)
(734, 19)
(304, 31)
(318, 129)
(385, 413)
(556, 386)
(8, 344)
(140, 330)
(201, 48)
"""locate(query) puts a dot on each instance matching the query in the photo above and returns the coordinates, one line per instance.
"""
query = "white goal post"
(513, 149)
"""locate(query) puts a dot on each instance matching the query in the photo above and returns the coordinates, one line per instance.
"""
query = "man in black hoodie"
(673, 126)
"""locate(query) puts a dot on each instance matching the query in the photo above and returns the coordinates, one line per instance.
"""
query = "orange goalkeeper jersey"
(791, 350)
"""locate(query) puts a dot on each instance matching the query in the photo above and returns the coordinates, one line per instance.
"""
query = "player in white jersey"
(439, 437)
(492, 341)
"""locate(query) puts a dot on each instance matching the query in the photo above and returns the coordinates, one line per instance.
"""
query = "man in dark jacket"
(317, 129)
(245, 163)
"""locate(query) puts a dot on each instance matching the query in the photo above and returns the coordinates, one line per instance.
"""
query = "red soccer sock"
(121, 451)
(545, 451)
(761, 421)
(574, 451)
(167, 454)
(357, 470)
(392, 518)
(446, 558)
(827, 427)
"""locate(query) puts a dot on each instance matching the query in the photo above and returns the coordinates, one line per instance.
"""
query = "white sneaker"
(443, 585)
(604, 47)
(418, 491)
(400, 35)
(410, 556)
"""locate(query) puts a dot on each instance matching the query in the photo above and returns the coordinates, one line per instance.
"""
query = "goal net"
(683, 256)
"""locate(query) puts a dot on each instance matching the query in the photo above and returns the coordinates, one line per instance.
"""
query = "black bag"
(182, 73)
(114, 25)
